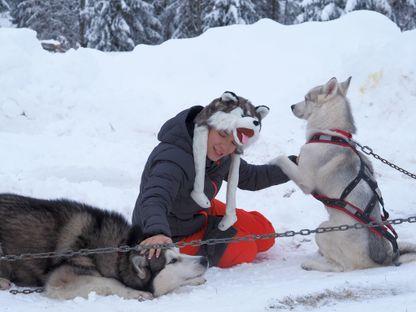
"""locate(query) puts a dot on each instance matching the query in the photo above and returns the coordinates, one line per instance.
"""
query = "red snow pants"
(248, 222)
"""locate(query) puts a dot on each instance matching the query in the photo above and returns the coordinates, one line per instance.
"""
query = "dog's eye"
(174, 260)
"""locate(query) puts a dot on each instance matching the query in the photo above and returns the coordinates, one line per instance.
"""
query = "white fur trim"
(200, 154)
(230, 216)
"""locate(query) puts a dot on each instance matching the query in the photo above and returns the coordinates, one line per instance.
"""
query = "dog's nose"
(256, 123)
(204, 261)
(292, 107)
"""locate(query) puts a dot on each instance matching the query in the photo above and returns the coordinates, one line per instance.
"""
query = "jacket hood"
(179, 129)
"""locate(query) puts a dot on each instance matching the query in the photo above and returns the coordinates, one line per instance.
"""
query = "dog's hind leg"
(5, 284)
(378, 248)
(4, 275)
(64, 283)
(407, 252)
(321, 264)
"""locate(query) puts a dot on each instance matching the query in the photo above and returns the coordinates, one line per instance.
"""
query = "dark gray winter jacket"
(164, 205)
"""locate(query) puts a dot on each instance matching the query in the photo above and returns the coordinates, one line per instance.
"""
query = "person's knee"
(237, 253)
(262, 226)
(265, 244)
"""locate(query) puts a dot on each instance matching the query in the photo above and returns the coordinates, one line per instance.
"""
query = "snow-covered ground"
(80, 125)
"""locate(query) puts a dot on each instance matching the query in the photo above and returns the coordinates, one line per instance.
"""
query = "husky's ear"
(345, 85)
(229, 96)
(262, 110)
(331, 87)
(139, 263)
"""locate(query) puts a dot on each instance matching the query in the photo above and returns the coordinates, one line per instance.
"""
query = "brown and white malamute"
(29, 225)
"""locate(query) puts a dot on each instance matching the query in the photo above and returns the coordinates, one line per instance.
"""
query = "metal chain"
(369, 151)
(213, 241)
(27, 291)
(320, 230)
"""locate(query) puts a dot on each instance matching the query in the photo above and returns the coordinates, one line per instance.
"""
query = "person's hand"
(156, 239)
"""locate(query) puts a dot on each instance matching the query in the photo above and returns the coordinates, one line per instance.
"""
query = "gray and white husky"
(328, 170)
(29, 225)
(238, 117)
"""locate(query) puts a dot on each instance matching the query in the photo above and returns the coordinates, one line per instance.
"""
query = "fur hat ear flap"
(331, 87)
(139, 263)
(228, 96)
(262, 110)
(345, 85)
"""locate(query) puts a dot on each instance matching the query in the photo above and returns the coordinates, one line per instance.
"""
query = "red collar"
(343, 132)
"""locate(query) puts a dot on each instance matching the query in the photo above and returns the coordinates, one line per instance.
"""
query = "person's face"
(220, 144)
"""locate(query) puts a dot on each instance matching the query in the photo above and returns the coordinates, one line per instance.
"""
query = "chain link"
(122, 249)
(125, 248)
(27, 291)
(369, 151)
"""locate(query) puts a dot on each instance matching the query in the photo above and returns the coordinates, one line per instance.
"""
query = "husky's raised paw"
(292, 171)
(227, 221)
(277, 161)
(201, 199)
(5, 284)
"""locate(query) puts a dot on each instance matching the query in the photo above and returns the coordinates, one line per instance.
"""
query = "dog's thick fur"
(29, 225)
(327, 169)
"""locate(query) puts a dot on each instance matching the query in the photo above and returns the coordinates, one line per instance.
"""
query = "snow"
(5, 19)
(327, 11)
(80, 125)
(350, 5)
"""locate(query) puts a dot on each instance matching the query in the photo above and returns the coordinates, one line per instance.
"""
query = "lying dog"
(29, 225)
(330, 168)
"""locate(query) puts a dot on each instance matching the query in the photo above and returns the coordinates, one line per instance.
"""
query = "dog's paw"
(307, 266)
(5, 284)
(196, 281)
(143, 295)
(321, 265)
(201, 199)
(227, 221)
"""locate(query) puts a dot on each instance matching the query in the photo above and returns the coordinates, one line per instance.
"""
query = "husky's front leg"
(64, 283)
(194, 281)
(293, 172)
(230, 215)
(200, 153)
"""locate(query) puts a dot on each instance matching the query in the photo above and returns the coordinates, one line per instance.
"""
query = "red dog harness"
(361, 215)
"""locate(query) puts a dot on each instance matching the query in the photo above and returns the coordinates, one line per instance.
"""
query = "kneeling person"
(165, 210)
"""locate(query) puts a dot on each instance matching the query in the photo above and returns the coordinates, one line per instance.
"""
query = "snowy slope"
(81, 124)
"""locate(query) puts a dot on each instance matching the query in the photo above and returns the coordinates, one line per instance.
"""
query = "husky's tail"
(407, 252)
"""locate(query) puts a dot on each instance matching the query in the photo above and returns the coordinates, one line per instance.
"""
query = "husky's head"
(235, 115)
(326, 106)
(163, 274)
(175, 270)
